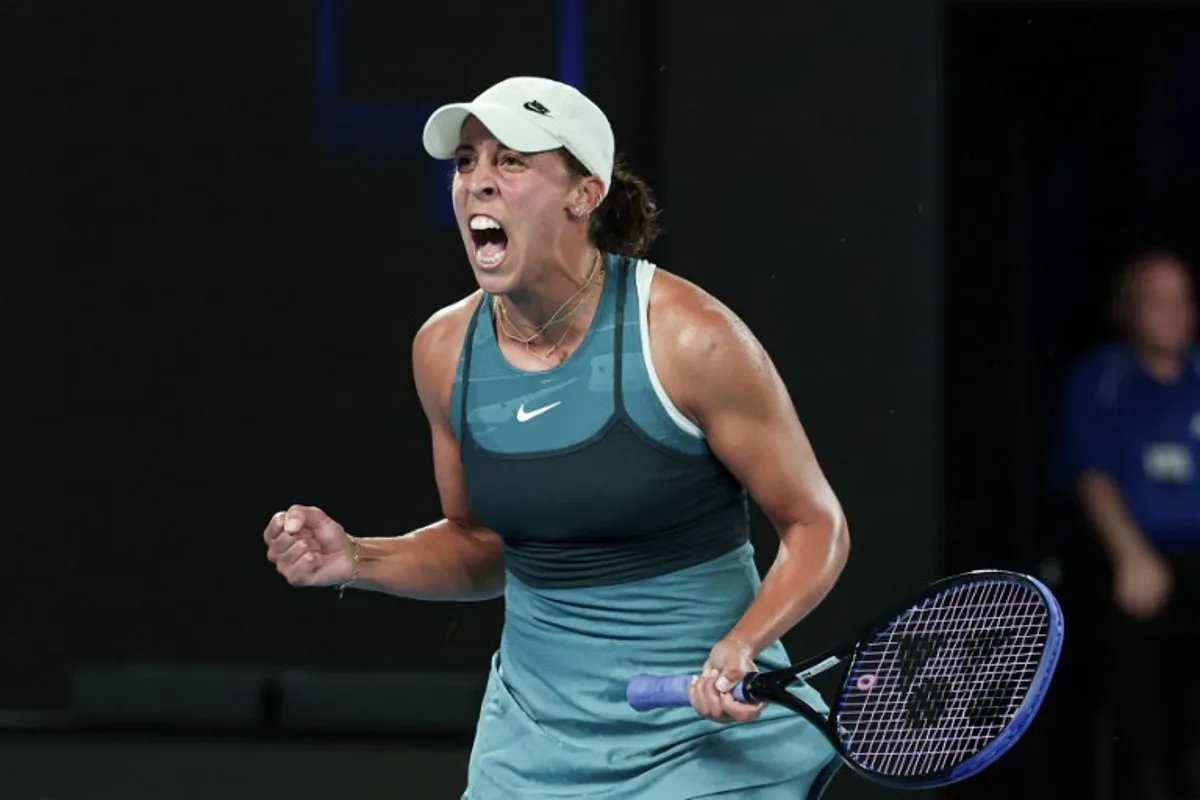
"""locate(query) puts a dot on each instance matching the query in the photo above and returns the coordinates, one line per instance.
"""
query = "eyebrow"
(468, 149)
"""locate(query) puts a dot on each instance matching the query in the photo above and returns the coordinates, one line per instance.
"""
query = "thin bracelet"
(342, 587)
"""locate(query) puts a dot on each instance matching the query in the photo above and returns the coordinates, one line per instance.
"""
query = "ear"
(586, 196)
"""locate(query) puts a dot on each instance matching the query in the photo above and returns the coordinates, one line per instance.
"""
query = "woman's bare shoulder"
(436, 349)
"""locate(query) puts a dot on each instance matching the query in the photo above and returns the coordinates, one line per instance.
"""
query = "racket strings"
(944, 679)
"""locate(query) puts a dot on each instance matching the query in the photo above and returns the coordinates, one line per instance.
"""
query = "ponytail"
(627, 220)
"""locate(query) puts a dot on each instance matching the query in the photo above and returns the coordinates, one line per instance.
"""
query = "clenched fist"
(308, 548)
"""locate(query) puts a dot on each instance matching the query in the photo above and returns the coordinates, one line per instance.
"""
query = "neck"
(1164, 365)
(556, 296)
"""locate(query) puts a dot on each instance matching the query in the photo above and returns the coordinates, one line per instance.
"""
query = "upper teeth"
(482, 223)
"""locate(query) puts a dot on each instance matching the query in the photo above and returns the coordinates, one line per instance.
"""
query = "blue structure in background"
(391, 128)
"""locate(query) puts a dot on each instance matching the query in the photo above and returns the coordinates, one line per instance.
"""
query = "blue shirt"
(1116, 418)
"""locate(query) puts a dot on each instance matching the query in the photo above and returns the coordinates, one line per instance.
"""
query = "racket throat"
(819, 667)
(770, 687)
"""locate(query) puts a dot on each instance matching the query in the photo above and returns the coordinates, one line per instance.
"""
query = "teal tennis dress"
(627, 550)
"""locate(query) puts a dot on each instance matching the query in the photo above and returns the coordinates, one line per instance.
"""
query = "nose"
(481, 181)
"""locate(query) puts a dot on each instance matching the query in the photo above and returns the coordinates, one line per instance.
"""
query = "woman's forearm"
(442, 561)
(809, 561)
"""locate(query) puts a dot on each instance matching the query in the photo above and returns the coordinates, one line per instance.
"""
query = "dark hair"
(627, 220)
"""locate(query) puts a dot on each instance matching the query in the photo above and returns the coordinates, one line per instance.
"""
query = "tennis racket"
(932, 692)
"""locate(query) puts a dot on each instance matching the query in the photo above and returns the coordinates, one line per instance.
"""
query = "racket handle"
(646, 692)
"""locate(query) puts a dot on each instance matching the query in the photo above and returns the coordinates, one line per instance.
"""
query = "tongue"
(491, 251)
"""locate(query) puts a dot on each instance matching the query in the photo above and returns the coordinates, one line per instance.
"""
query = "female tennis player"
(597, 426)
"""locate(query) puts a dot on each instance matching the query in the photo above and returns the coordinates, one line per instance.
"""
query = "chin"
(494, 280)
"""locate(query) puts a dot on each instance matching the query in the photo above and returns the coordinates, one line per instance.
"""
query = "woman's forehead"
(476, 136)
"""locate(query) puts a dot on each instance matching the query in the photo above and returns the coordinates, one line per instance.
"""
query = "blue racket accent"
(646, 692)
(945, 688)
(934, 692)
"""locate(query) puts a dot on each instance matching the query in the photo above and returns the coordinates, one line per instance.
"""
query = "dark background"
(222, 234)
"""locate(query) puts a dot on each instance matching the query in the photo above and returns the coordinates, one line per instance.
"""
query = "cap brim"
(515, 129)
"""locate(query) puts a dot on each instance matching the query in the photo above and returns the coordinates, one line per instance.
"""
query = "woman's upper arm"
(721, 377)
(436, 348)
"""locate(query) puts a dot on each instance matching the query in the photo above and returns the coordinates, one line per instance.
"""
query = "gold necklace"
(499, 306)
(527, 341)
(583, 293)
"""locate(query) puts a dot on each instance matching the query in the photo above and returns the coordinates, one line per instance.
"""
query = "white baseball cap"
(531, 115)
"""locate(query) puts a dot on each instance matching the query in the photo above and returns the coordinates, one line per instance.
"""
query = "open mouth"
(490, 240)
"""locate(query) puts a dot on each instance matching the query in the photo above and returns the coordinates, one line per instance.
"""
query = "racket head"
(944, 685)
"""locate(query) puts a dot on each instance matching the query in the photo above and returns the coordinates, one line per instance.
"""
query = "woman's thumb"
(298, 517)
(729, 677)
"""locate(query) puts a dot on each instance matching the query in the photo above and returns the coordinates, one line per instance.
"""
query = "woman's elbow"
(840, 543)
(822, 539)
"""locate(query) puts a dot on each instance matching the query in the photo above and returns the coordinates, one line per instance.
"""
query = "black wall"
(223, 234)
(800, 167)
(217, 279)
(1074, 140)
(216, 268)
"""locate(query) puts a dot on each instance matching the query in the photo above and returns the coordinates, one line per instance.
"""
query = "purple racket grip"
(646, 692)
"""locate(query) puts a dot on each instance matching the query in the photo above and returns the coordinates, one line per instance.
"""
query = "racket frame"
(772, 686)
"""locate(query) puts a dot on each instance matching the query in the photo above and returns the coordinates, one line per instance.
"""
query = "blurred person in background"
(1128, 448)
(598, 427)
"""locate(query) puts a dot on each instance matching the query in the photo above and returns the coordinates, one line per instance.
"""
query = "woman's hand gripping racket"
(931, 693)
